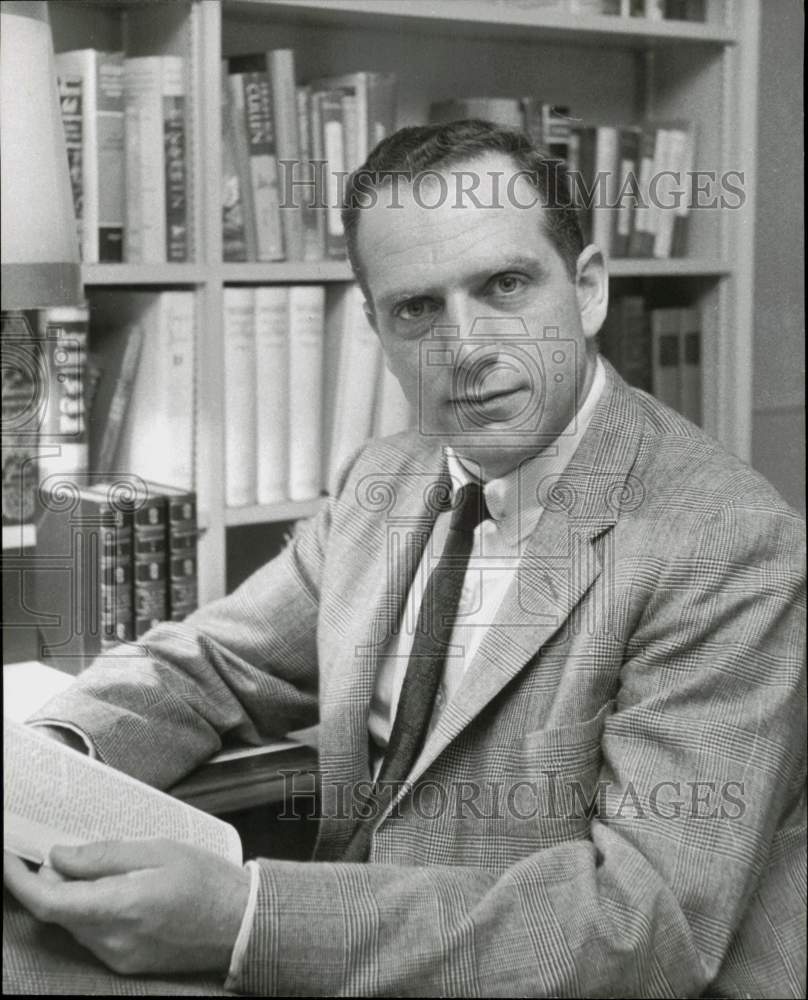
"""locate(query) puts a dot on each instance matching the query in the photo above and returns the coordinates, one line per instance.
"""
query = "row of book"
(631, 183)
(98, 394)
(657, 350)
(129, 555)
(304, 387)
(44, 420)
(654, 10)
(286, 149)
(126, 135)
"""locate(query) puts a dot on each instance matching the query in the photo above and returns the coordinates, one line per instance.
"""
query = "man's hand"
(139, 906)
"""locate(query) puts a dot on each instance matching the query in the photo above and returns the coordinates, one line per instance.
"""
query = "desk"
(235, 779)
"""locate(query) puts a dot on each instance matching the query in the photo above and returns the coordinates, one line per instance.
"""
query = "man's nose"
(460, 313)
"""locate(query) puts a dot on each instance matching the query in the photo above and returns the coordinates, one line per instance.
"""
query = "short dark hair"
(419, 148)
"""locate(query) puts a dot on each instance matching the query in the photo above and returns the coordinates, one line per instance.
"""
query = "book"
(582, 176)
(606, 186)
(307, 191)
(690, 378)
(182, 534)
(150, 559)
(240, 397)
(44, 426)
(670, 191)
(53, 794)
(548, 126)
(382, 97)
(306, 337)
(281, 68)
(272, 391)
(665, 337)
(678, 243)
(238, 234)
(116, 335)
(367, 108)
(333, 152)
(627, 188)
(158, 435)
(62, 334)
(84, 579)
(353, 412)
(176, 171)
(154, 101)
(279, 64)
(92, 102)
(24, 382)
(626, 342)
(252, 101)
(641, 240)
(70, 105)
(664, 143)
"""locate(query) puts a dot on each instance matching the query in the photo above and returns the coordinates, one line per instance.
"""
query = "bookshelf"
(604, 67)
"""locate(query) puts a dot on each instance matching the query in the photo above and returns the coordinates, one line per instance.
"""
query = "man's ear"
(371, 316)
(591, 289)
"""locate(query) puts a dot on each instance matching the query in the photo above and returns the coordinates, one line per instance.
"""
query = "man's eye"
(507, 284)
(415, 309)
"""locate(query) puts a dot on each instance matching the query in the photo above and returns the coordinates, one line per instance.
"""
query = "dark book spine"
(635, 342)
(182, 535)
(234, 236)
(115, 582)
(176, 178)
(84, 574)
(583, 179)
(150, 563)
(70, 101)
(23, 383)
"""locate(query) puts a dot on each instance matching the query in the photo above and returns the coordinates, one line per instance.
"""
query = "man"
(601, 794)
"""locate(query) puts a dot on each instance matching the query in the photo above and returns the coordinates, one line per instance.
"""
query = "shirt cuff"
(55, 724)
(240, 947)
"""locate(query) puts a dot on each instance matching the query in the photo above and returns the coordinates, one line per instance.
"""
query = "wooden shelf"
(160, 275)
(482, 18)
(292, 510)
(674, 267)
(286, 271)
(327, 271)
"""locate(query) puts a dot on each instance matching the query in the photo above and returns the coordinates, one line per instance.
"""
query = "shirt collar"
(513, 499)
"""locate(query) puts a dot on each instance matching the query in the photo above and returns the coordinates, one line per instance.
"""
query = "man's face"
(478, 317)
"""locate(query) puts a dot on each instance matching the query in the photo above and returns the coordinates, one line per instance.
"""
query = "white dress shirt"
(515, 510)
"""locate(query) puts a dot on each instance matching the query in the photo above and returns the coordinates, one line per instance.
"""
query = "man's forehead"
(491, 180)
(485, 199)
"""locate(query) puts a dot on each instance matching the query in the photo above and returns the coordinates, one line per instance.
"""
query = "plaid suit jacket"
(611, 805)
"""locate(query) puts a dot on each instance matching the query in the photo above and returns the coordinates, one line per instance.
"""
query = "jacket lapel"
(560, 562)
(402, 512)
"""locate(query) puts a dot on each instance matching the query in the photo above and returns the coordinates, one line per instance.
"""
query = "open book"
(55, 795)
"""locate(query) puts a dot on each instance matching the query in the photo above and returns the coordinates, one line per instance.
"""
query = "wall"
(778, 423)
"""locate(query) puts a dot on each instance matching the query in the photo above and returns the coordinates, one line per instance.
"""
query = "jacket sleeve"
(673, 886)
(245, 665)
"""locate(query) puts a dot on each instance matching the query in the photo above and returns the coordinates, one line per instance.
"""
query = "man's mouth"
(495, 404)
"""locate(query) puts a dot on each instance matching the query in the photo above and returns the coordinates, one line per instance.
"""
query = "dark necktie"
(428, 654)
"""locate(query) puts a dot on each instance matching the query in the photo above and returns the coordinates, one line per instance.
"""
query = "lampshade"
(40, 251)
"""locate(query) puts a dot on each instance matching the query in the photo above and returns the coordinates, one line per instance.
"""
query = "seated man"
(553, 637)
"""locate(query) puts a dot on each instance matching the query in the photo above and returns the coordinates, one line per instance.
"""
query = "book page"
(55, 795)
